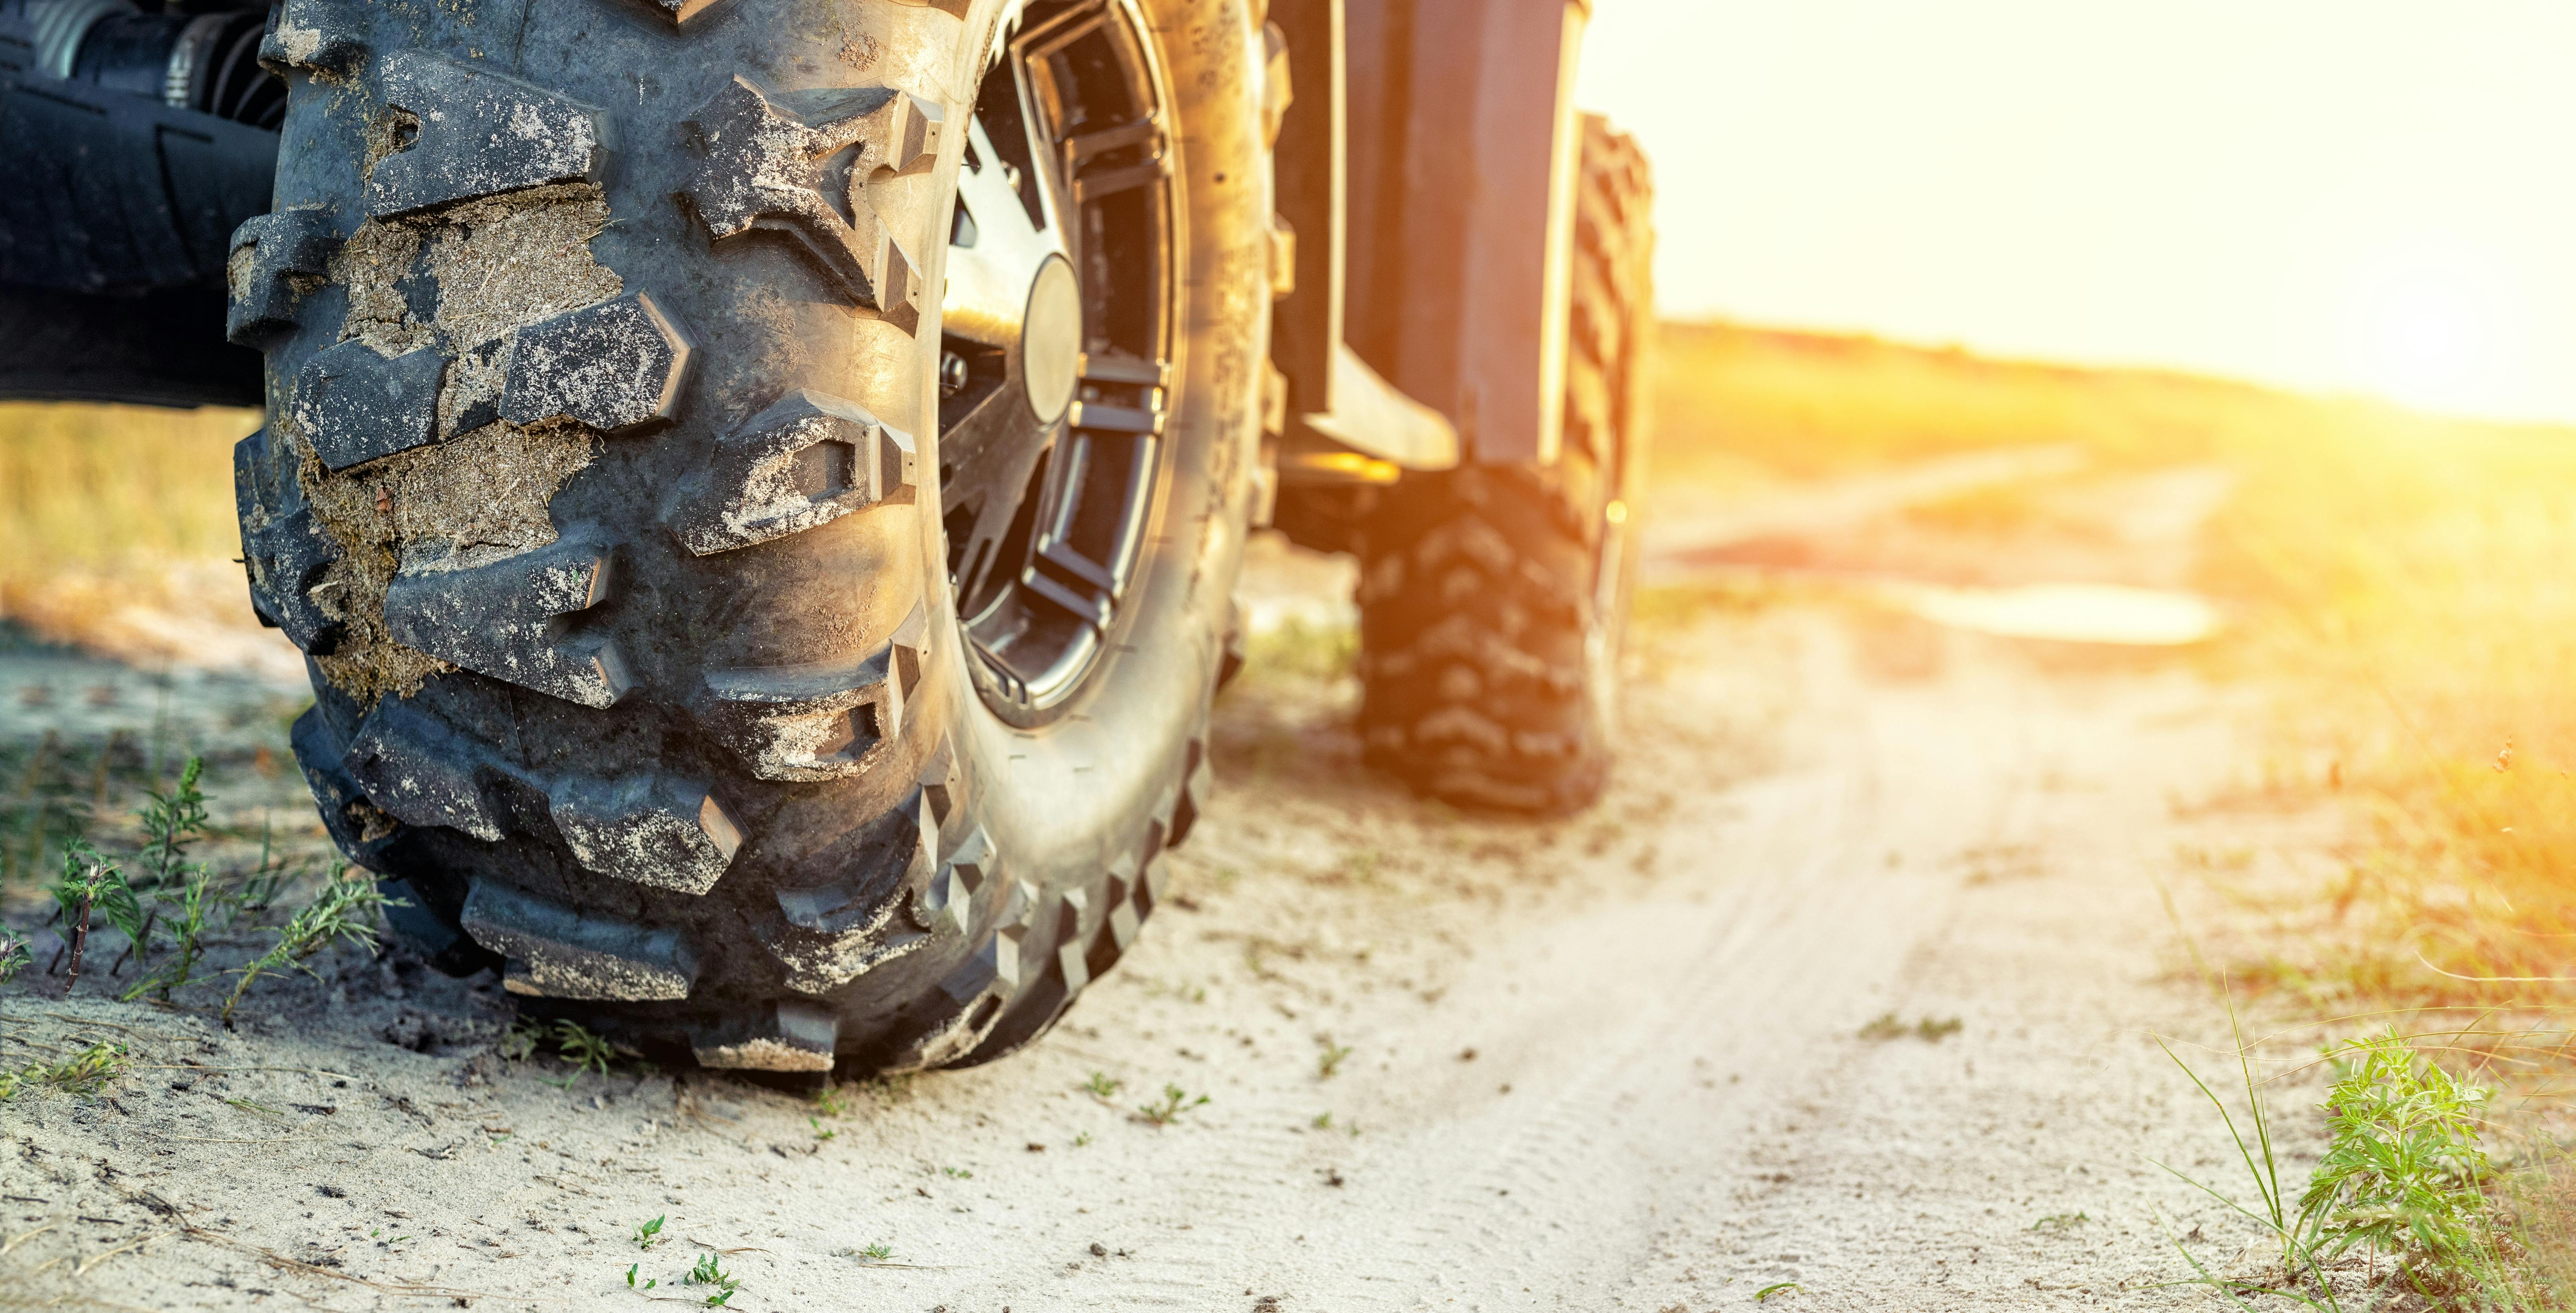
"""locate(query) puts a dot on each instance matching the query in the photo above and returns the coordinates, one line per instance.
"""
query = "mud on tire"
(609, 488)
(1492, 598)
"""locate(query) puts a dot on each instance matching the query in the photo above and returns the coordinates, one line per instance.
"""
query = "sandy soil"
(1625, 1060)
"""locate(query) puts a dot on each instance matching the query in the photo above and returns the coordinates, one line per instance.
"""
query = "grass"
(98, 503)
(1329, 1061)
(1930, 1030)
(168, 906)
(584, 1050)
(83, 1073)
(1168, 1109)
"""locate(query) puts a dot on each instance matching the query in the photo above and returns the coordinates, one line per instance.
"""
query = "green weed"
(649, 1282)
(1102, 1085)
(91, 884)
(171, 822)
(877, 1253)
(1330, 1060)
(13, 956)
(83, 1073)
(2059, 1221)
(1168, 1109)
(821, 1132)
(345, 909)
(1930, 1030)
(568, 1041)
(585, 1050)
(1777, 1288)
(649, 1234)
(709, 1271)
(957, 1173)
(2405, 1173)
(196, 897)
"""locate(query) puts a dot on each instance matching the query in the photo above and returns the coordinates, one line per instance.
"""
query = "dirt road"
(1849, 984)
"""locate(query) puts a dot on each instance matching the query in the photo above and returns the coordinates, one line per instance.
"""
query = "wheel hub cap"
(1051, 340)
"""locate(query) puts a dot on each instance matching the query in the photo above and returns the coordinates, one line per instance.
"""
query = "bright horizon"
(2333, 195)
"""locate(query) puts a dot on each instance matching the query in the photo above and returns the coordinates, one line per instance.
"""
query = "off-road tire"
(1493, 597)
(600, 487)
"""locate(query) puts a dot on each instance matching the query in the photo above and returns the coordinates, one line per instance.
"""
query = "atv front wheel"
(760, 656)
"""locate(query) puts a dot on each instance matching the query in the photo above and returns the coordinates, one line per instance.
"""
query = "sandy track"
(1827, 816)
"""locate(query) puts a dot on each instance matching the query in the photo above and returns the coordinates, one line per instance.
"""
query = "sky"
(2335, 195)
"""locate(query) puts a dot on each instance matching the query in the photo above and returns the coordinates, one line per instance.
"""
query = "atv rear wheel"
(762, 659)
(1493, 598)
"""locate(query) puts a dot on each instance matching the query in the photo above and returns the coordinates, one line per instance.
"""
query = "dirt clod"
(462, 283)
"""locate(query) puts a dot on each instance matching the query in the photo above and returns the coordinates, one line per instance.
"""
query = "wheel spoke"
(988, 282)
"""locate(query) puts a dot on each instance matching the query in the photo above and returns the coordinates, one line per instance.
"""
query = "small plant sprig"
(1329, 1061)
(2404, 1172)
(1102, 1085)
(84, 1073)
(1168, 1109)
(170, 822)
(571, 1041)
(649, 1234)
(345, 909)
(1930, 1030)
(196, 898)
(709, 1271)
(585, 1049)
(93, 884)
(13, 956)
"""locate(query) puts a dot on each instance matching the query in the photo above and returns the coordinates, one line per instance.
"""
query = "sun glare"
(2345, 196)
(2434, 324)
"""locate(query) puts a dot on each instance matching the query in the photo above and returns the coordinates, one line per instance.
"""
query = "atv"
(759, 484)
